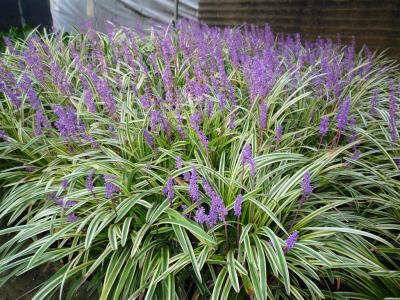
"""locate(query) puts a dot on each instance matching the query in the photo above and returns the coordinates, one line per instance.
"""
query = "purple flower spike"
(247, 159)
(179, 162)
(237, 206)
(306, 186)
(110, 187)
(374, 104)
(193, 186)
(154, 120)
(263, 115)
(195, 124)
(343, 114)
(67, 124)
(217, 207)
(324, 126)
(392, 114)
(291, 240)
(169, 190)
(278, 134)
(148, 138)
(90, 181)
(64, 184)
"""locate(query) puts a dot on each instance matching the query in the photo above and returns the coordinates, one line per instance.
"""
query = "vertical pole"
(21, 14)
(176, 4)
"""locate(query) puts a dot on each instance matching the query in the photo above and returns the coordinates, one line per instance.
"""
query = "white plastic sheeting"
(68, 14)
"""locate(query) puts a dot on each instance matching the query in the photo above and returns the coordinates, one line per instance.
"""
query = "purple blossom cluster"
(306, 187)
(67, 124)
(291, 241)
(343, 114)
(60, 78)
(194, 192)
(148, 138)
(217, 211)
(324, 126)
(110, 187)
(228, 72)
(9, 86)
(41, 120)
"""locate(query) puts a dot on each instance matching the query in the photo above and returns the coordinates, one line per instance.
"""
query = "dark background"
(373, 22)
(34, 12)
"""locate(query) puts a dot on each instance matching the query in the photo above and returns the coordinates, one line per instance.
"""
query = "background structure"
(373, 22)
(17, 13)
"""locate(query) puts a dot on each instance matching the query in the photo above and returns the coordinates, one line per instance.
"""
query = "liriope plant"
(200, 163)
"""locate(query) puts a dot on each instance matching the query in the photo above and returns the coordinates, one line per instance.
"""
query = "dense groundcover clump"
(200, 163)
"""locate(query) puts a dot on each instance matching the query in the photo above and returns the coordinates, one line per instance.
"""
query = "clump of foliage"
(200, 163)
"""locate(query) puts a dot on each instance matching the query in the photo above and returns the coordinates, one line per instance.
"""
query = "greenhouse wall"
(375, 23)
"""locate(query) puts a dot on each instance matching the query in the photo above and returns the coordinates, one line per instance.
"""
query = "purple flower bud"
(169, 190)
(356, 154)
(193, 186)
(90, 181)
(186, 176)
(324, 126)
(247, 159)
(342, 116)
(237, 206)
(179, 162)
(291, 240)
(64, 184)
(397, 161)
(3, 135)
(71, 218)
(201, 216)
(232, 121)
(306, 186)
(110, 187)
(278, 134)
(148, 138)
